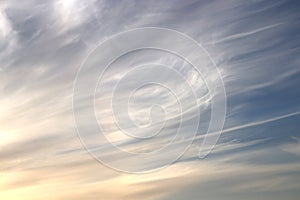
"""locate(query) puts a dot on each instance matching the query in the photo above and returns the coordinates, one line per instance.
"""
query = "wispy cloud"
(255, 45)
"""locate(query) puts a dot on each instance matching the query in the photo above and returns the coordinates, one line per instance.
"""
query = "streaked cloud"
(255, 45)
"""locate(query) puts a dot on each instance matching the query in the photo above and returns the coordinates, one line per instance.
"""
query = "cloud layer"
(255, 45)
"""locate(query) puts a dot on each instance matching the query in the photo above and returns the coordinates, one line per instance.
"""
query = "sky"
(149, 100)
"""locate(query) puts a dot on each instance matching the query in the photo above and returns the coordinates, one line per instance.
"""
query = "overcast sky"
(255, 46)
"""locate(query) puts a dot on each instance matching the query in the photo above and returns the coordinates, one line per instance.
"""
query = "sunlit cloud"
(255, 46)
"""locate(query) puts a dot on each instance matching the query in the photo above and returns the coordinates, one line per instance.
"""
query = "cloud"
(293, 147)
(245, 34)
(42, 45)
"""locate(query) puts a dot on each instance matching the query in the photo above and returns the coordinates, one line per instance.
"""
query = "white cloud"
(292, 147)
